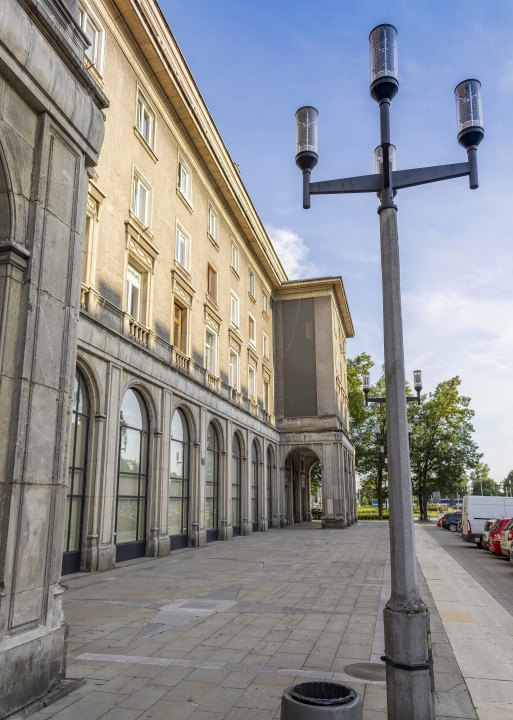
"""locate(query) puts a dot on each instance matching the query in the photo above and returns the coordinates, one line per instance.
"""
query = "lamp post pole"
(409, 674)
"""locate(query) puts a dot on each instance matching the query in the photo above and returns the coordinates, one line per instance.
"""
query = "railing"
(138, 332)
(180, 360)
(211, 380)
(84, 292)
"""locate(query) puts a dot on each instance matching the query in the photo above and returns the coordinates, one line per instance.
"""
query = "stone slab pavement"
(219, 632)
(479, 628)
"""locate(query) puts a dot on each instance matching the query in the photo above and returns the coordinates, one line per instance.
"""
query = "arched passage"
(297, 466)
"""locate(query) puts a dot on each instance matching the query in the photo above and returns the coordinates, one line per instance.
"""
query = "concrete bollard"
(320, 700)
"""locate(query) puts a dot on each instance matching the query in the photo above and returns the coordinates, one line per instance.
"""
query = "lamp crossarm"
(400, 179)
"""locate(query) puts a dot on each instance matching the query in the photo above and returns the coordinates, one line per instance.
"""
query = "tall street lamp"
(410, 685)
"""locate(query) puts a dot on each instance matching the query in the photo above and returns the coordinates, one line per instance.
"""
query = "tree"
(507, 484)
(441, 449)
(315, 479)
(482, 483)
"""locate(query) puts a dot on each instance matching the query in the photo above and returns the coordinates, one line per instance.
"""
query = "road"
(491, 572)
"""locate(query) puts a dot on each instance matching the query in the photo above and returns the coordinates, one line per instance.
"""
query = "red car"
(494, 536)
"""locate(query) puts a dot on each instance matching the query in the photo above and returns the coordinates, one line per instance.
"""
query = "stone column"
(226, 530)
(262, 495)
(51, 131)
(333, 510)
(93, 505)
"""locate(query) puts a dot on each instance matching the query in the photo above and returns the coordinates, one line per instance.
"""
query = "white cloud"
(292, 252)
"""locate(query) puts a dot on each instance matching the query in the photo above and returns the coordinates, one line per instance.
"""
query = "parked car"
(450, 521)
(494, 536)
(477, 509)
(506, 539)
(484, 536)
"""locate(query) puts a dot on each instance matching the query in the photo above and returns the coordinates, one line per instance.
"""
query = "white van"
(477, 509)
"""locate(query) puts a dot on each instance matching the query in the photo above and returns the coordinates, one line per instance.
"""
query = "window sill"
(143, 229)
(146, 146)
(252, 297)
(234, 271)
(265, 316)
(213, 241)
(185, 200)
(212, 302)
(252, 344)
(179, 266)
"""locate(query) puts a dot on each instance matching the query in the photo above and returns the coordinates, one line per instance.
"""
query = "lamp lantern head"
(417, 380)
(306, 138)
(365, 382)
(383, 63)
(469, 113)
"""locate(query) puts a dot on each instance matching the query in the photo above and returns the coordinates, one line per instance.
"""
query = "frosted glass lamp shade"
(469, 113)
(365, 381)
(378, 158)
(383, 62)
(417, 379)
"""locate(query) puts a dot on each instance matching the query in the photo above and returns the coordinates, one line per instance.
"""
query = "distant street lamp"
(417, 381)
(410, 685)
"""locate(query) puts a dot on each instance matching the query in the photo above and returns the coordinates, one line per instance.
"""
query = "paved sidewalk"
(479, 629)
(219, 632)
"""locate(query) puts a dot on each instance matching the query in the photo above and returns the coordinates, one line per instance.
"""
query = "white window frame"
(235, 257)
(85, 13)
(251, 282)
(234, 368)
(183, 240)
(265, 346)
(142, 214)
(252, 338)
(234, 303)
(132, 274)
(212, 223)
(252, 381)
(211, 351)
(142, 107)
(266, 395)
(184, 179)
(265, 302)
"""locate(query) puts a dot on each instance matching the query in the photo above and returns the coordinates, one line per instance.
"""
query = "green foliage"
(482, 483)
(315, 479)
(507, 484)
(441, 449)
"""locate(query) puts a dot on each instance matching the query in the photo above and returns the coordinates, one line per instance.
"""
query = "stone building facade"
(163, 383)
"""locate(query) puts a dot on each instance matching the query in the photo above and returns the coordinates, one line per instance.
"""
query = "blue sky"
(257, 62)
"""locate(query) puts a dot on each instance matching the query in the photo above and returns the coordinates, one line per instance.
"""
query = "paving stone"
(263, 697)
(144, 698)
(167, 710)
(189, 691)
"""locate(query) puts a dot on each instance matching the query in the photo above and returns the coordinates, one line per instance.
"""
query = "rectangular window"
(235, 258)
(264, 302)
(266, 347)
(266, 396)
(252, 330)
(252, 383)
(212, 224)
(210, 351)
(234, 309)
(141, 200)
(251, 282)
(183, 247)
(212, 283)
(145, 120)
(234, 369)
(96, 34)
(179, 324)
(133, 292)
(184, 180)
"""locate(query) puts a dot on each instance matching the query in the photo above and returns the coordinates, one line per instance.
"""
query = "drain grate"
(367, 671)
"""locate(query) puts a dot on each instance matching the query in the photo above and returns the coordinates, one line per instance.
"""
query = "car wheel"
(452, 527)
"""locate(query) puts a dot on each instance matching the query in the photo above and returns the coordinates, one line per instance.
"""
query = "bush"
(370, 513)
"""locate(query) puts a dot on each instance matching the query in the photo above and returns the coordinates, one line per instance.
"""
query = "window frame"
(251, 336)
(235, 256)
(180, 230)
(234, 376)
(85, 12)
(138, 178)
(212, 224)
(212, 365)
(182, 325)
(212, 272)
(265, 303)
(234, 297)
(187, 191)
(129, 292)
(266, 397)
(252, 374)
(142, 102)
(251, 282)
(265, 350)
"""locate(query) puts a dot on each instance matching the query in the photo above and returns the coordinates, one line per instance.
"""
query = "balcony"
(211, 381)
(180, 360)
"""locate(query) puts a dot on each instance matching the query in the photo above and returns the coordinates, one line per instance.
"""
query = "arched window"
(212, 483)
(269, 488)
(178, 512)
(76, 476)
(132, 478)
(236, 484)
(254, 486)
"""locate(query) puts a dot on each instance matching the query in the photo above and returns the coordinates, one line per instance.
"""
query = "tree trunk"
(421, 505)
(424, 500)
(380, 491)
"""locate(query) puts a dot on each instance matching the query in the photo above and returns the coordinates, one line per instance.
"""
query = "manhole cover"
(367, 671)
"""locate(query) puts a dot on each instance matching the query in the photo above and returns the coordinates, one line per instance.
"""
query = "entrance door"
(269, 489)
(76, 477)
(132, 478)
(236, 485)
(178, 515)
(254, 486)
(212, 484)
